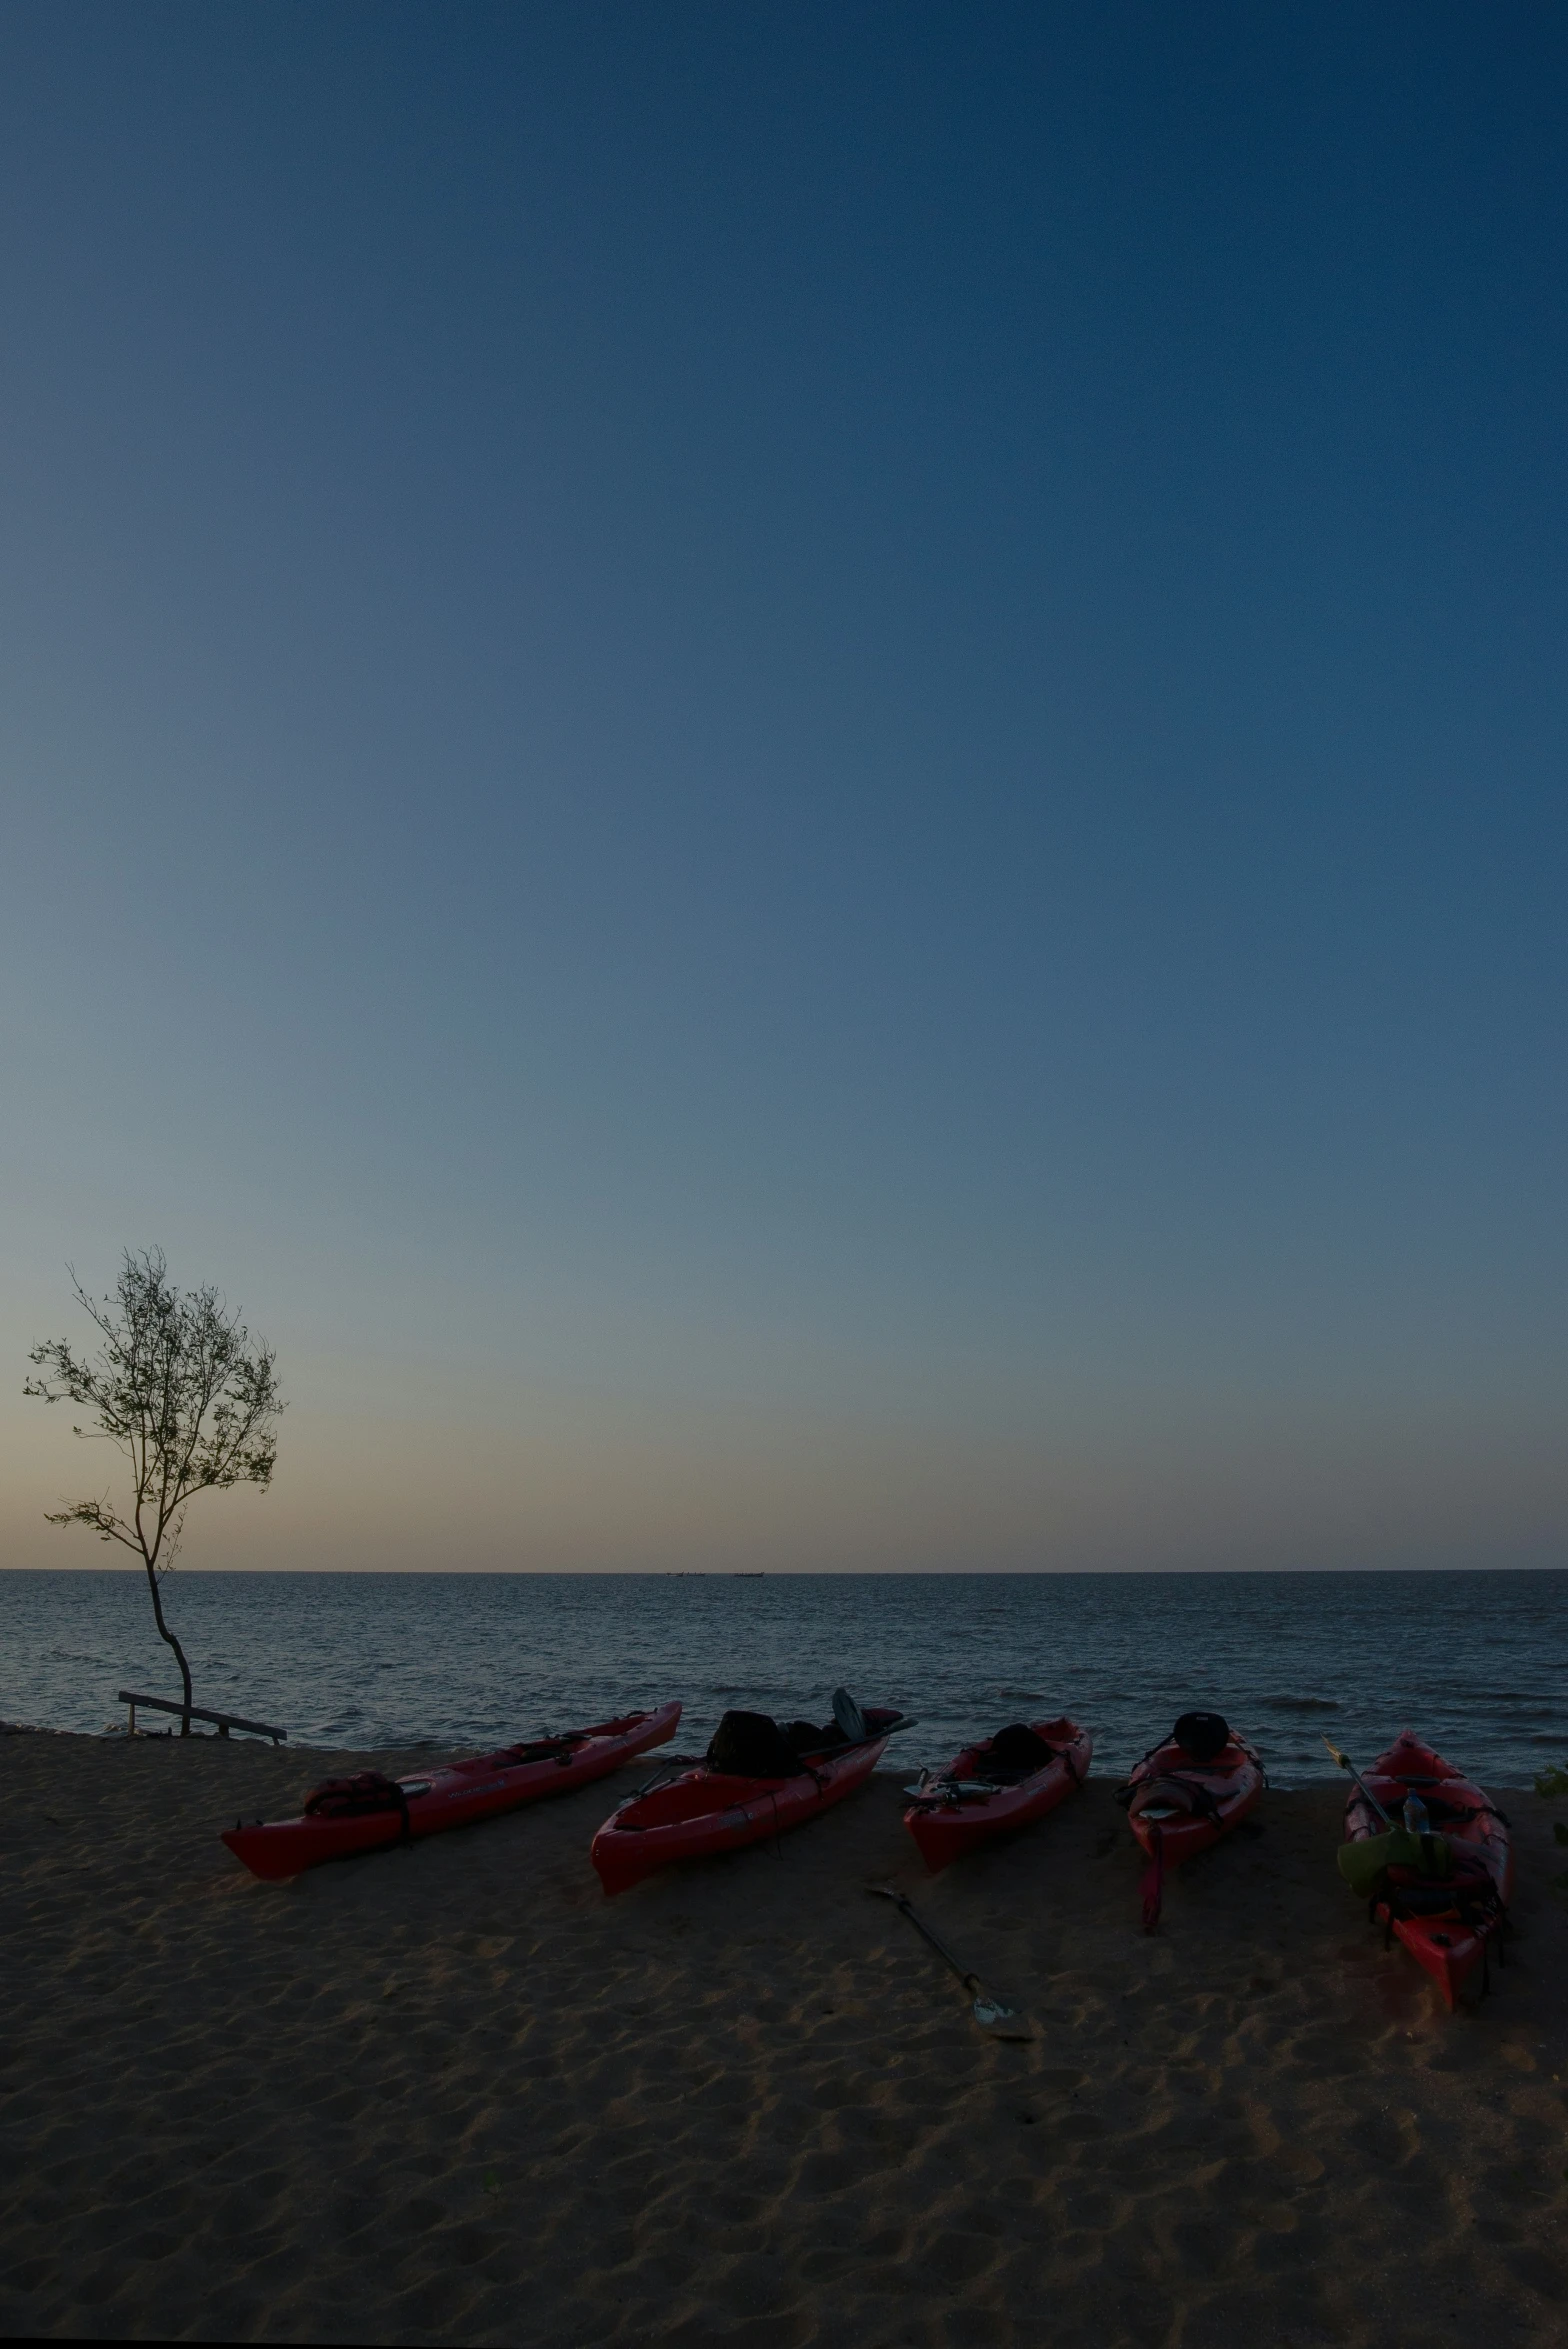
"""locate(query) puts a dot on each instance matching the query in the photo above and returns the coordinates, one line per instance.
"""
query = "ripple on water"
(375, 1659)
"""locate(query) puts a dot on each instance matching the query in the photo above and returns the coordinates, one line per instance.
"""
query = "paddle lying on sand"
(1345, 1763)
(1002, 2022)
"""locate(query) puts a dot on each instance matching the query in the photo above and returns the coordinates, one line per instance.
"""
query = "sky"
(795, 774)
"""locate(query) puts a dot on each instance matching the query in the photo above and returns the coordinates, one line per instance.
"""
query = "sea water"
(1474, 1661)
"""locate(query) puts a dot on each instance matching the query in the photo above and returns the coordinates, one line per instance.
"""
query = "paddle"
(1002, 2022)
(857, 1729)
(1345, 1763)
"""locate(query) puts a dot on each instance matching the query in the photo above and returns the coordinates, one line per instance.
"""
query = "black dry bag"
(1202, 1735)
(1019, 1751)
(752, 1745)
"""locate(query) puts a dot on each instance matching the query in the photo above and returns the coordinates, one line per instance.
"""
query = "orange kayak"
(705, 1811)
(1184, 1796)
(1446, 1923)
(366, 1813)
(985, 1792)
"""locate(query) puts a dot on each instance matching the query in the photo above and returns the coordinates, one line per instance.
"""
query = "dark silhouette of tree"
(180, 1387)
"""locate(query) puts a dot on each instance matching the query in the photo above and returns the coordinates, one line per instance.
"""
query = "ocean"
(1473, 1660)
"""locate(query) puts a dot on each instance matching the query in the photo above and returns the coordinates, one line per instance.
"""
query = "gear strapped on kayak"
(1017, 1752)
(544, 1749)
(1187, 1793)
(752, 1745)
(359, 1797)
(1443, 1890)
(756, 1781)
(344, 1817)
(1004, 1783)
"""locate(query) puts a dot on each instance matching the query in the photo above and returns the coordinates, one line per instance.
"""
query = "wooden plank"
(224, 1721)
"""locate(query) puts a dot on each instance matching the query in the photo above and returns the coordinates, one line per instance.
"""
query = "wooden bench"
(189, 1713)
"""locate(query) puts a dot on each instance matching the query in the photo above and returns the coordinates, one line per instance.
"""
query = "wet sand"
(452, 2094)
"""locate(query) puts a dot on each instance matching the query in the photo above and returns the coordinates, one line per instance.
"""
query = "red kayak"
(349, 1815)
(998, 1785)
(705, 1810)
(1186, 1794)
(1446, 1923)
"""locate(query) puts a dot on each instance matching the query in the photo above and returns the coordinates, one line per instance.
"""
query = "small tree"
(181, 1389)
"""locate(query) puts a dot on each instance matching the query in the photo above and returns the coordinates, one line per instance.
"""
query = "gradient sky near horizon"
(796, 773)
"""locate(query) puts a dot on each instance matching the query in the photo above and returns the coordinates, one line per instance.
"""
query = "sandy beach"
(452, 2094)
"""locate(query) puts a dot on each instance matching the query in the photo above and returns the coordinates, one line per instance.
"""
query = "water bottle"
(1416, 1819)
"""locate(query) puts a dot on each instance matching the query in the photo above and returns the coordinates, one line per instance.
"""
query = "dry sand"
(452, 2094)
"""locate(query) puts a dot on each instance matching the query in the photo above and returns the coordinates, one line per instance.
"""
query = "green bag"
(1365, 1865)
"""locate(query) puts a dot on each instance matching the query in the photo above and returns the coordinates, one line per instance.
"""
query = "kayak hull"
(704, 1812)
(458, 1795)
(1448, 1946)
(1233, 1783)
(1177, 1807)
(945, 1828)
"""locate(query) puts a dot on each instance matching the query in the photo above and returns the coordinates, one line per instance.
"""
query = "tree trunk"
(165, 1633)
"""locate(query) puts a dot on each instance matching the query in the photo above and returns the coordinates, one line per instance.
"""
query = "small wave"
(1289, 1704)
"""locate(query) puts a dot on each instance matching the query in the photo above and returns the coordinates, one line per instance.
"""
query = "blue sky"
(795, 773)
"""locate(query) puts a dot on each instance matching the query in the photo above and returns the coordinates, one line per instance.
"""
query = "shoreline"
(452, 2094)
